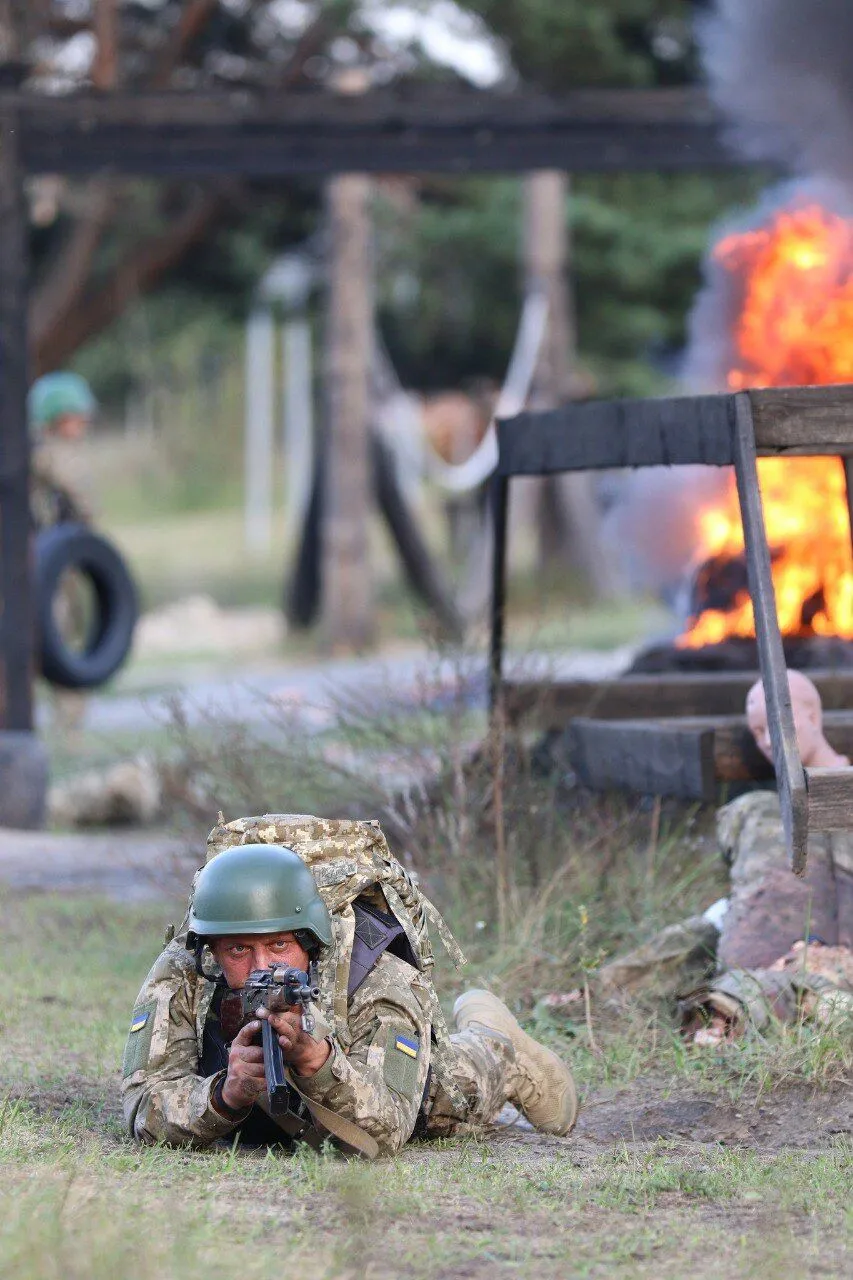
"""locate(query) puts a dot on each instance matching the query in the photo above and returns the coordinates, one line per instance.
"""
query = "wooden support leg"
(790, 776)
(500, 511)
(847, 464)
(22, 761)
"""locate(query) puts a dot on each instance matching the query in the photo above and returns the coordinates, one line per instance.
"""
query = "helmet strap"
(199, 960)
(308, 942)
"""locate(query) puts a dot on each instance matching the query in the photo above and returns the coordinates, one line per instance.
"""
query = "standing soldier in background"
(61, 408)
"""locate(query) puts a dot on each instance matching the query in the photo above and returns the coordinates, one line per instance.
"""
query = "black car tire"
(75, 547)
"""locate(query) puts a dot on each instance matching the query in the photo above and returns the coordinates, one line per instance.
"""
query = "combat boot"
(541, 1084)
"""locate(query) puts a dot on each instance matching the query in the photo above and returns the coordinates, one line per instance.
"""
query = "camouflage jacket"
(378, 1082)
(53, 498)
(770, 907)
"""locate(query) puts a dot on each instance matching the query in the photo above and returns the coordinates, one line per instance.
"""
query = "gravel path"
(312, 690)
(121, 864)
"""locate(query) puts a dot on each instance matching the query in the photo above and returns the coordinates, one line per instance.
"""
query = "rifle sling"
(348, 1132)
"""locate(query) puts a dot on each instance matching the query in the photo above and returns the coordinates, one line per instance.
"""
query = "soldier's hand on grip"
(245, 1080)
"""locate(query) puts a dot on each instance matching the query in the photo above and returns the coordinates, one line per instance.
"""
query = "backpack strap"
(375, 933)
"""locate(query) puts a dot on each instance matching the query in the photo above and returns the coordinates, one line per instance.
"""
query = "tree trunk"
(568, 519)
(347, 612)
(105, 70)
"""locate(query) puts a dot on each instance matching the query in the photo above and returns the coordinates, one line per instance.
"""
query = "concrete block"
(23, 780)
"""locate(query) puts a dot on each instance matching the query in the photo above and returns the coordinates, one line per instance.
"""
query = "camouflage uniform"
(760, 969)
(53, 500)
(381, 1081)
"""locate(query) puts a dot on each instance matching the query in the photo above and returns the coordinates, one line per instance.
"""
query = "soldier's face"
(238, 955)
(71, 426)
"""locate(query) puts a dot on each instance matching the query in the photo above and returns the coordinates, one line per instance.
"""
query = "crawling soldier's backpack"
(374, 903)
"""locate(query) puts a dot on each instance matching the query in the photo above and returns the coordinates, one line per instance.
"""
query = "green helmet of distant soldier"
(56, 396)
(258, 889)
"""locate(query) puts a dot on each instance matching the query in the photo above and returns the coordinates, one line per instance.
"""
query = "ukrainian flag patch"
(405, 1071)
(407, 1045)
(138, 1046)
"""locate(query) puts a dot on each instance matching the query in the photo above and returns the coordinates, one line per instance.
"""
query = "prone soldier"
(376, 1070)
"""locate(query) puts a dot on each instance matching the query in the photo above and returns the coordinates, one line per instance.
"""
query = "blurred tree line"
(122, 269)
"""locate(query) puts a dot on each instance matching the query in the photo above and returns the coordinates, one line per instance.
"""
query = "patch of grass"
(86, 1203)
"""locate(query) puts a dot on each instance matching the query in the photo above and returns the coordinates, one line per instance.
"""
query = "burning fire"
(794, 328)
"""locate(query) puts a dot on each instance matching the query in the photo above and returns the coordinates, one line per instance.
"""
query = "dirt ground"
(668, 1174)
(637, 1190)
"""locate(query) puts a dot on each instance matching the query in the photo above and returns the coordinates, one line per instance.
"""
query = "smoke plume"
(782, 72)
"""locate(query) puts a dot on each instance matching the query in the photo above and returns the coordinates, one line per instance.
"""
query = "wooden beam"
(790, 777)
(675, 431)
(209, 135)
(540, 705)
(636, 756)
(16, 624)
(608, 434)
(803, 420)
(830, 799)
(673, 757)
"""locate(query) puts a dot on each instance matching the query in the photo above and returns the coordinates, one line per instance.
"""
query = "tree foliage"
(561, 44)
(449, 276)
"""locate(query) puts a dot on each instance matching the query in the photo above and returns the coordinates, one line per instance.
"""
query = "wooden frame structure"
(717, 430)
(238, 134)
(432, 130)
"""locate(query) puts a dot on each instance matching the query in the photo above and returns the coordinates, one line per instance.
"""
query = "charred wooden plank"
(803, 420)
(830, 794)
(639, 756)
(542, 704)
(674, 431)
(212, 134)
(619, 433)
(790, 777)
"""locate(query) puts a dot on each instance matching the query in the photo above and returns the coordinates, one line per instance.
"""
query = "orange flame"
(795, 328)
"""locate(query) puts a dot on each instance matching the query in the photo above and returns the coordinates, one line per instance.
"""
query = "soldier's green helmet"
(257, 889)
(59, 395)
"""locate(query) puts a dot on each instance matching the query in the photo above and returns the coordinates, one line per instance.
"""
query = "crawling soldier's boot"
(541, 1085)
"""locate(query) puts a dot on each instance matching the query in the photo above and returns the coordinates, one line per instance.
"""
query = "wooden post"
(347, 610)
(23, 767)
(500, 511)
(16, 711)
(569, 500)
(790, 777)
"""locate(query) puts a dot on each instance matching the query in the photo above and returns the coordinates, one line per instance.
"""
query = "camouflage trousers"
(771, 908)
(763, 969)
(809, 982)
(484, 1071)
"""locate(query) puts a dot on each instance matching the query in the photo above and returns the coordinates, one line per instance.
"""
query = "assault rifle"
(275, 989)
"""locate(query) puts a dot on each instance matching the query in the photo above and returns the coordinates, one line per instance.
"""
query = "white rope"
(475, 471)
